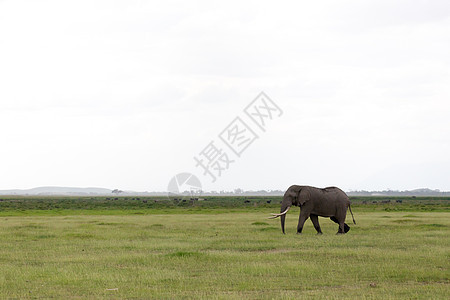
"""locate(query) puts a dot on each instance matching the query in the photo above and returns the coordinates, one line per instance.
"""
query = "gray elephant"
(329, 202)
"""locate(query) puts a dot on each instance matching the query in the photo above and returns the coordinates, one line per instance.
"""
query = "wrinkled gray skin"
(329, 202)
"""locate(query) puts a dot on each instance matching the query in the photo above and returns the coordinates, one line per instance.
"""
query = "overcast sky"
(124, 94)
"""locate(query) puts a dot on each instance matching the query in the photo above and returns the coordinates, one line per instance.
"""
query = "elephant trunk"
(285, 205)
(283, 218)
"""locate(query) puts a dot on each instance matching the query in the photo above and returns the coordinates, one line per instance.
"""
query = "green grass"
(222, 253)
(57, 205)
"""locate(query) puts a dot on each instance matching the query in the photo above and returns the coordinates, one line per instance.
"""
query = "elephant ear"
(303, 196)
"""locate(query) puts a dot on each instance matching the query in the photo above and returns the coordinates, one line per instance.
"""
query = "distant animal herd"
(383, 201)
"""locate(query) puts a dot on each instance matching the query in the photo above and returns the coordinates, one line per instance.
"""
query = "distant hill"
(56, 190)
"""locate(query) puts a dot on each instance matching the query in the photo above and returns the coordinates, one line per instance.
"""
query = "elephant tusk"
(280, 214)
(284, 212)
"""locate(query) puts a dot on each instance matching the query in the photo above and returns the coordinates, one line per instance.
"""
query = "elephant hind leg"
(346, 228)
(342, 229)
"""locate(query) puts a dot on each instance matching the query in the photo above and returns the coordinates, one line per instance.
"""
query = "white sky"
(123, 94)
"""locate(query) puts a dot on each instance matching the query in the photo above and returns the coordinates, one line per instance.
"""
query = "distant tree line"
(416, 192)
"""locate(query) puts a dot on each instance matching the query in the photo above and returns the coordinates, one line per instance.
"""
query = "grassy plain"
(223, 253)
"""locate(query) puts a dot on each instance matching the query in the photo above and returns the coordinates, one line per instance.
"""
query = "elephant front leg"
(301, 221)
(315, 221)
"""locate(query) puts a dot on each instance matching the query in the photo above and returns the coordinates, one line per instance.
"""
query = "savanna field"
(221, 248)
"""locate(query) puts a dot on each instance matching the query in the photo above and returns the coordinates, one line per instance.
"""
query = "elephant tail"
(352, 214)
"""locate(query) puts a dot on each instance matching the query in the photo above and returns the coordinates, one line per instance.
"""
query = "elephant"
(329, 202)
